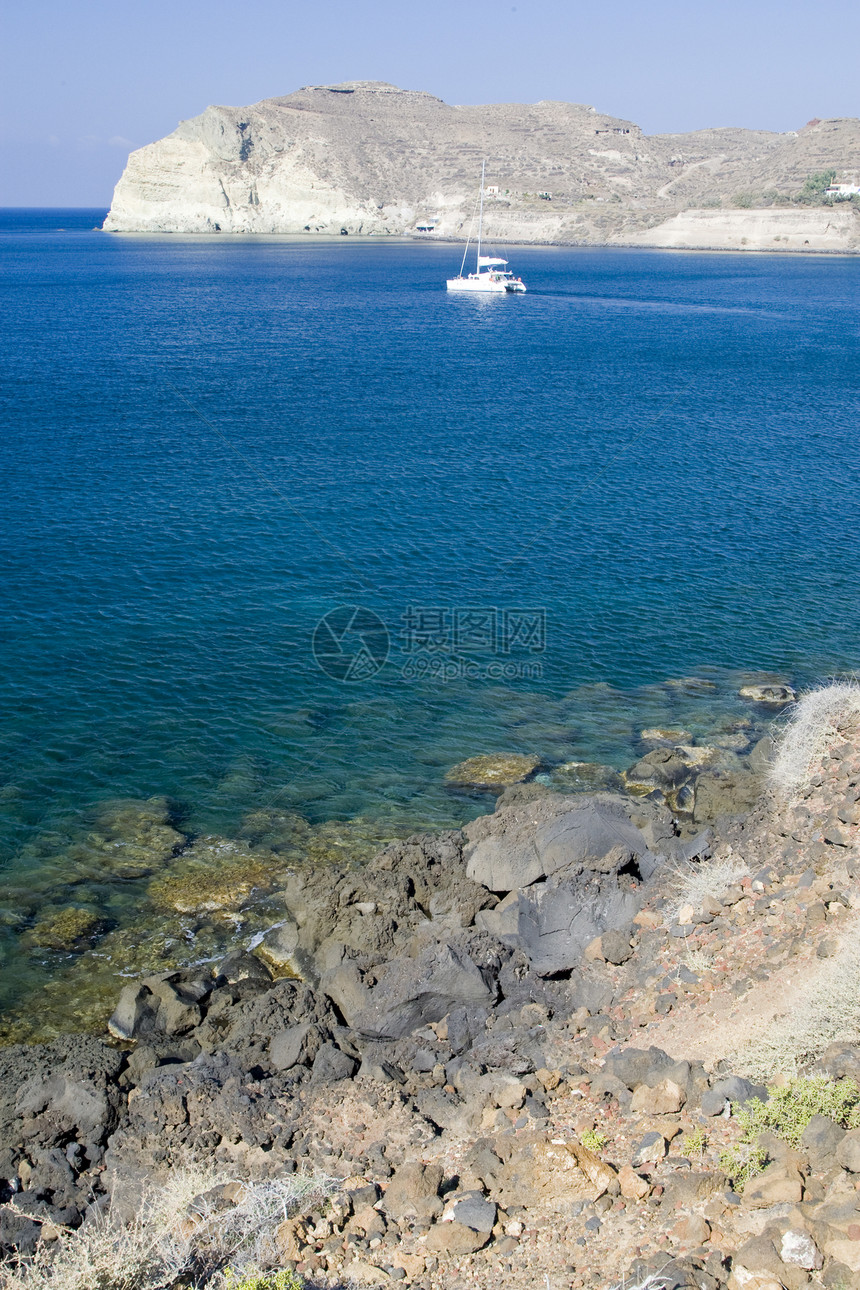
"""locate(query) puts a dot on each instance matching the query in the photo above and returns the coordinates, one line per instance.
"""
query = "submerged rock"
(587, 775)
(493, 771)
(69, 928)
(775, 696)
(664, 736)
(692, 685)
(351, 841)
(734, 742)
(130, 839)
(697, 756)
(276, 830)
(82, 993)
(214, 875)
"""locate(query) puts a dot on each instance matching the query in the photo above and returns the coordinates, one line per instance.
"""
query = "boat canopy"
(486, 261)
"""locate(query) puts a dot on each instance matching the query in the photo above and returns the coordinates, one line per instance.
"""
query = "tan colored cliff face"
(820, 228)
(372, 159)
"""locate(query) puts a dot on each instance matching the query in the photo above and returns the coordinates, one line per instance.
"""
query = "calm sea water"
(646, 468)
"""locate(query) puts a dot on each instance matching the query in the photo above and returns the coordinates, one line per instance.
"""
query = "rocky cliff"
(369, 158)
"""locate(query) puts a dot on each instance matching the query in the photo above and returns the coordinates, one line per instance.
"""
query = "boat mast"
(481, 216)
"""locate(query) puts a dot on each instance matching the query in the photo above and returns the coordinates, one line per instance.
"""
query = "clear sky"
(83, 83)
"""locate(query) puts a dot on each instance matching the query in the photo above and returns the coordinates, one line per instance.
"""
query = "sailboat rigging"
(491, 273)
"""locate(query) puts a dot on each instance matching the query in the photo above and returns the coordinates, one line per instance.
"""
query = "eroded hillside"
(368, 158)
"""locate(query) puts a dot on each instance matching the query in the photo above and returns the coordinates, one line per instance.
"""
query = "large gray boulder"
(663, 769)
(635, 1066)
(55, 1093)
(414, 1192)
(374, 910)
(559, 918)
(412, 991)
(521, 844)
(77, 1106)
(295, 1046)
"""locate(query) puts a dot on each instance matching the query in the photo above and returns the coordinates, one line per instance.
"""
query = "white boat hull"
(484, 283)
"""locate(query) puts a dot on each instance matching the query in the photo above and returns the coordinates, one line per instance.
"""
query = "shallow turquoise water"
(211, 443)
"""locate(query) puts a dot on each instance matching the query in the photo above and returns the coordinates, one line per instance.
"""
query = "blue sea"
(289, 529)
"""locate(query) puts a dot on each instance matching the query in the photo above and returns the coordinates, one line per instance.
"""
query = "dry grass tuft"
(701, 880)
(824, 1012)
(178, 1233)
(814, 721)
(652, 1281)
(697, 960)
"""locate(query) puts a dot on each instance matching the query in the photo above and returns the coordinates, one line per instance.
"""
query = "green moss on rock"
(65, 929)
(215, 875)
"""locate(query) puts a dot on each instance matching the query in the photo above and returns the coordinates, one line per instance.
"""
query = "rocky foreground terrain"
(368, 158)
(512, 1055)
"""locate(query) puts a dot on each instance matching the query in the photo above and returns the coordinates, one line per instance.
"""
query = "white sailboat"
(491, 273)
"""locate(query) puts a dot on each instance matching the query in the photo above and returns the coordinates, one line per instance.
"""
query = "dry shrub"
(701, 880)
(824, 1011)
(814, 722)
(177, 1232)
(697, 960)
(651, 1281)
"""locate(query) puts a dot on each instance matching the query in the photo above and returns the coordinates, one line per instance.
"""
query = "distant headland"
(366, 158)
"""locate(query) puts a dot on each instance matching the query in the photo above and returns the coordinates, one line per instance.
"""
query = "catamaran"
(491, 273)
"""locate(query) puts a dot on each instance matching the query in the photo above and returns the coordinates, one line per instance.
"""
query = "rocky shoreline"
(515, 1050)
(129, 887)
